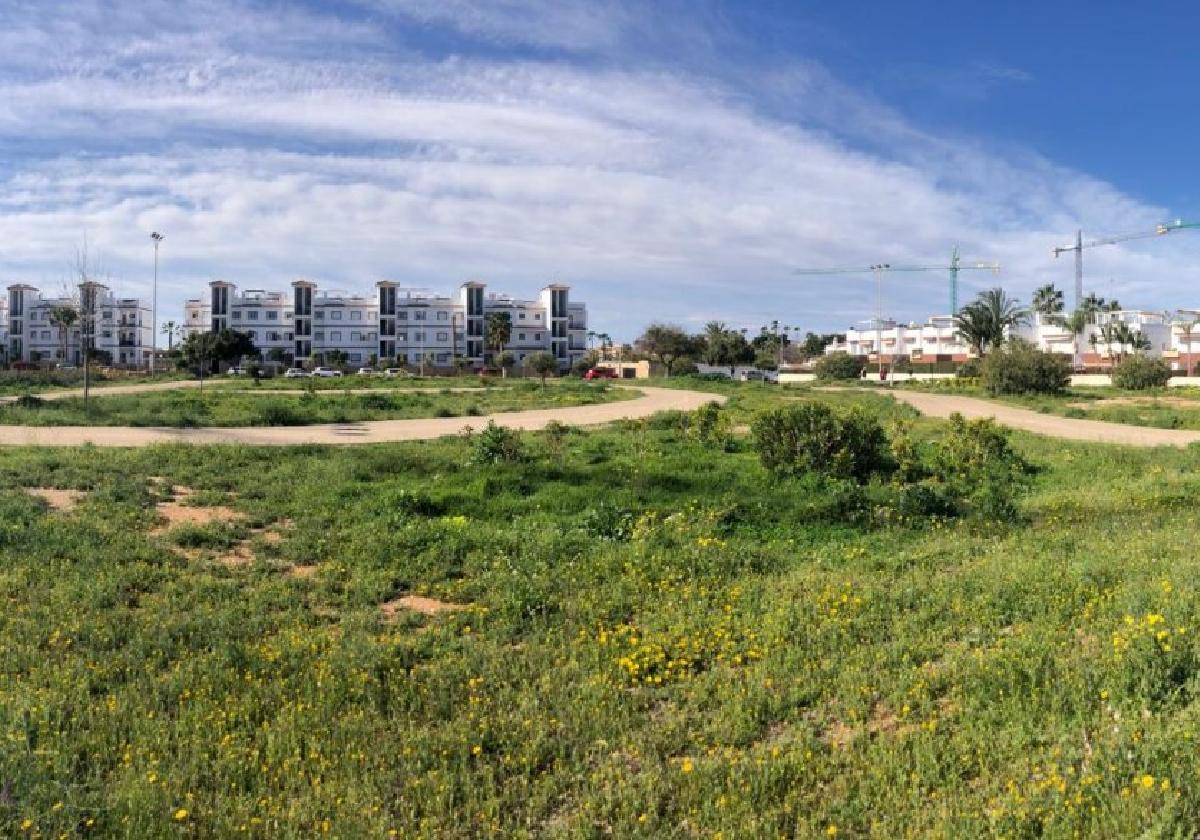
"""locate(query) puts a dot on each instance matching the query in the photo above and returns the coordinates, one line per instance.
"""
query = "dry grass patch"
(59, 500)
(419, 604)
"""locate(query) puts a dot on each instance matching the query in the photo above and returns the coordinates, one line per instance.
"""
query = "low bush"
(812, 437)
(497, 444)
(976, 463)
(838, 366)
(1018, 367)
(710, 426)
(1138, 372)
(970, 369)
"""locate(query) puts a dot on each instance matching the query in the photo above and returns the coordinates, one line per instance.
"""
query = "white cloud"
(658, 194)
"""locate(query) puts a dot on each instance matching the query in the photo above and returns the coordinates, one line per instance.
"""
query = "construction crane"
(956, 265)
(1159, 230)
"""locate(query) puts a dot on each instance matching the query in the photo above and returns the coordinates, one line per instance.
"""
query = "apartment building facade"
(401, 325)
(1174, 337)
(120, 328)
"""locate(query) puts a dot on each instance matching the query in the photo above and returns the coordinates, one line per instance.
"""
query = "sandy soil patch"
(303, 571)
(419, 604)
(62, 501)
(174, 512)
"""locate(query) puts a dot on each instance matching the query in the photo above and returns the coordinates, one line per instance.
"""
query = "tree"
(814, 345)
(199, 350)
(507, 361)
(984, 322)
(541, 363)
(1077, 323)
(232, 345)
(1048, 300)
(170, 329)
(497, 331)
(336, 358)
(63, 317)
(666, 344)
(719, 346)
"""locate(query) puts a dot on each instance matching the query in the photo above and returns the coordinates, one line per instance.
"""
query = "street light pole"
(158, 238)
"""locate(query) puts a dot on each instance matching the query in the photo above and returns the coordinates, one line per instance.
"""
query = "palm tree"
(1048, 300)
(497, 331)
(170, 329)
(984, 322)
(1077, 322)
(63, 317)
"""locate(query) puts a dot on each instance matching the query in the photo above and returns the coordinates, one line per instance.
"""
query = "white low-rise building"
(121, 330)
(937, 340)
(401, 325)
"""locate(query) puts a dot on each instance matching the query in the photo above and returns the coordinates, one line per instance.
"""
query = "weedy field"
(629, 632)
(267, 407)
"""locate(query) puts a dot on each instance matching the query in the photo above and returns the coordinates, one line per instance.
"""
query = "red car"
(600, 373)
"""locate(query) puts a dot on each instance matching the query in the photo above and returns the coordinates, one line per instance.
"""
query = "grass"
(341, 383)
(15, 382)
(191, 408)
(659, 642)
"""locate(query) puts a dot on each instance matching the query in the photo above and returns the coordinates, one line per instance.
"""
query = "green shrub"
(970, 369)
(838, 366)
(980, 469)
(29, 401)
(608, 522)
(812, 437)
(710, 426)
(497, 444)
(1018, 367)
(1138, 372)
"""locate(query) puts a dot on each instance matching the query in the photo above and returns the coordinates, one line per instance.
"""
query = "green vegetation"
(190, 408)
(657, 638)
(15, 382)
(1140, 373)
(1017, 367)
(838, 366)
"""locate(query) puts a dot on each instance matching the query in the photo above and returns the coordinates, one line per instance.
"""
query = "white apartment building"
(409, 326)
(937, 340)
(121, 328)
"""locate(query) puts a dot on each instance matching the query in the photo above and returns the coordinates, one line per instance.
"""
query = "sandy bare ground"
(943, 405)
(651, 401)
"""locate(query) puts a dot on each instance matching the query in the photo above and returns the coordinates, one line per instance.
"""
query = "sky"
(673, 161)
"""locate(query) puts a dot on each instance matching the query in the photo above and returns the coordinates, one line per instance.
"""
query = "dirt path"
(651, 401)
(943, 405)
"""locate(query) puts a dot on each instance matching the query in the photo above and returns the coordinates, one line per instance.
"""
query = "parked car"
(366, 371)
(236, 371)
(326, 372)
(600, 373)
(392, 373)
(752, 376)
(295, 373)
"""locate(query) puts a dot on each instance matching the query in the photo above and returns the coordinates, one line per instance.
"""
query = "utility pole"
(158, 238)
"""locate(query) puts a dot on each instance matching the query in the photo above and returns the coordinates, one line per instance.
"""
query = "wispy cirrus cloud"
(273, 143)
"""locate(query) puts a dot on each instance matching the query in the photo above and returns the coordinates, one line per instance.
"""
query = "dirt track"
(943, 405)
(650, 402)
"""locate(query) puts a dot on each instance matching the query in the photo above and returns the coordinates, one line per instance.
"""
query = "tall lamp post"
(158, 238)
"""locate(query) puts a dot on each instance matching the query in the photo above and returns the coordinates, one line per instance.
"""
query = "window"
(443, 336)
(287, 316)
(443, 358)
(537, 337)
(369, 336)
(356, 336)
(522, 316)
(237, 314)
(537, 316)
(419, 315)
(289, 336)
(319, 315)
(336, 315)
(419, 336)
(520, 336)
(335, 335)
(253, 335)
(272, 315)
(402, 315)
(106, 334)
(402, 337)
(371, 315)
(356, 357)
(356, 315)
(252, 314)
(45, 335)
(319, 335)
(443, 316)
(107, 313)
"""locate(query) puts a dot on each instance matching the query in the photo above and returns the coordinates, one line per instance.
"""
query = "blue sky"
(671, 160)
